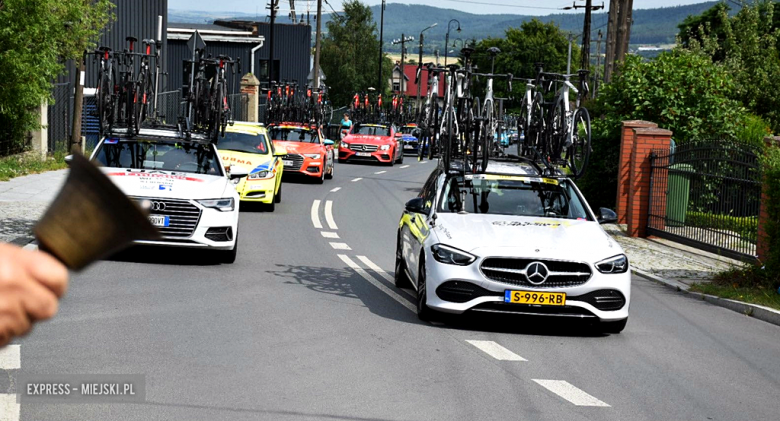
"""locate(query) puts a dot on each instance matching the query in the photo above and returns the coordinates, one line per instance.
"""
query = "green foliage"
(753, 130)
(771, 168)
(534, 41)
(599, 185)
(25, 164)
(349, 53)
(745, 226)
(694, 28)
(36, 38)
(682, 90)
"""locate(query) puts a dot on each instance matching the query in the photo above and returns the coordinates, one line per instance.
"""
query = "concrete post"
(645, 140)
(624, 164)
(251, 86)
(40, 137)
(762, 246)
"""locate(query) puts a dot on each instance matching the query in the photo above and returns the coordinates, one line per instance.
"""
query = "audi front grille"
(183, 216)
(297, 162)
(513, 271)
(363, 148)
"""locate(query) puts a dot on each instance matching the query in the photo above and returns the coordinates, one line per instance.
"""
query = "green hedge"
(771, 167)
(745, 226)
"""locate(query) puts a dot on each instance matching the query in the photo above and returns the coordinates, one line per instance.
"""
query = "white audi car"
(191, 197)
(511, 241)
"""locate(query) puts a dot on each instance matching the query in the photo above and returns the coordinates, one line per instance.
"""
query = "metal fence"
(60, 116)
(170, 106)
(707, 195)
(239, 106)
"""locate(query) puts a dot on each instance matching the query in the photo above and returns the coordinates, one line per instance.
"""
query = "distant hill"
(651, 26)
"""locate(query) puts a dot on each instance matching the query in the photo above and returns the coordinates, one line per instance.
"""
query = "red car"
(308, 152)
(373, 143)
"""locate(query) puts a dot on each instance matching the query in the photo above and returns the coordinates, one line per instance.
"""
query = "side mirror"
(237, 172)
(68, 159)
(607, 216)
(279, 152)
(329, 142)
(399, 135)
(416, 205)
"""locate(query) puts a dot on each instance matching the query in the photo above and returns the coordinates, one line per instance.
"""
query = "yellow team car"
(247, 145)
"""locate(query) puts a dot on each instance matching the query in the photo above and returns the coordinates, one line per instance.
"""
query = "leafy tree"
(36, 38)
(349, 53)
(696, 27)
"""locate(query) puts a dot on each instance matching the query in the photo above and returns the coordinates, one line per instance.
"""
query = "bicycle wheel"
(578, 153)
(103, 99)
(433, 133)
(140, 100)
(559, 131)
(535, 135)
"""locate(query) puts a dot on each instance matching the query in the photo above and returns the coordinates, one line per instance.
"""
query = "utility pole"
(419, 67)
(609, 54)
(317, 46)
(380, 85)
(585, 62)
(568, 60)
(596, 78)
(624, 30)
(273, 7)
(78, 105)
(403, 41)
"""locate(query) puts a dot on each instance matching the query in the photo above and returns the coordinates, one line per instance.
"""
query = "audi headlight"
(451, 255)
(384, 147)
(312, 155)
(261, 175)
(617, 264)
(224, 205)
(344, 145)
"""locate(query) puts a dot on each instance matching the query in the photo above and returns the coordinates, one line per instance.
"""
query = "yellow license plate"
(533, 297)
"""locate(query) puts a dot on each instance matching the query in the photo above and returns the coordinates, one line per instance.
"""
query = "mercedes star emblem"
(536, 272)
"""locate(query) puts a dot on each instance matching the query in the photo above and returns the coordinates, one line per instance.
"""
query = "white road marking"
(315, 217)
(405, 166)
(329, 215)
(373, 266)
(9, 409)
(10, 357)
(335, 190)
(327, 234)
(572, 394)
(340, 246)
(375, 282)
(422, 162)
(380, 172)
(357, 179)
(496, 351)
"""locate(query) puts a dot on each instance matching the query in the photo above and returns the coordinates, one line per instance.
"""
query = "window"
(262, 71)
(244, 142)
(372, 130)
(396, 86)
(293, 134)
(160, 155)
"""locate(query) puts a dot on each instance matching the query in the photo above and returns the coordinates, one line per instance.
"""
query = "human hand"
(31, 284)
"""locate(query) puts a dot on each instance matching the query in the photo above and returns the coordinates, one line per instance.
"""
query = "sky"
(518, 7)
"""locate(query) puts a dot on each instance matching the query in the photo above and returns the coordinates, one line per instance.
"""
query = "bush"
(771, 168)
(599, 185)
(745, 226)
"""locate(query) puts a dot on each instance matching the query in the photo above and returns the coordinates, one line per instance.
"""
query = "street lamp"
(419, 63)
(447, 40)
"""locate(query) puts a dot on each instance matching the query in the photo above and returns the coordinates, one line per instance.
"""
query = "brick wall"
(624, 166)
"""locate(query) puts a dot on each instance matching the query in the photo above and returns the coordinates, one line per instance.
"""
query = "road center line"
(373, 266)
(329, 215)
(315, 217)
(422, 162)
(357, 179)
(380, 172)
(405, 166)
(335, 190)
(572, 394)
(327, 234)
(496, 351)
(375, 282)
(9, 409)
(10, 357)
(340, 246)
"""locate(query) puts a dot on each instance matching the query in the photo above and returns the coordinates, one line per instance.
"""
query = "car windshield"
(408, 130)
(158, 155)
(293, 134)
(512, 195)
(248, 142)
(372, 130)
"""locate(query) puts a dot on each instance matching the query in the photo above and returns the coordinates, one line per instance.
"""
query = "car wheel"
(401, 280)
(392, 159)
(613, 327)
(321, 178)
(229, 256)
(329, 175)
(278, 197)
(424, 312)
(401, 159)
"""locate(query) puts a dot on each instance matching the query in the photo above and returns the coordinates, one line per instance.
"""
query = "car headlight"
(384, 147)
(312, 155)
(451, 255)
(224, 205)
(617, 264)
(344, 145)
(261, 175)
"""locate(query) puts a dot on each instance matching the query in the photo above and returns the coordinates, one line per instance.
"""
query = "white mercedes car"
(190, 194)
(511, 241)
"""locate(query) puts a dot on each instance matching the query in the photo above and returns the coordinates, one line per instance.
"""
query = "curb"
(753, 310)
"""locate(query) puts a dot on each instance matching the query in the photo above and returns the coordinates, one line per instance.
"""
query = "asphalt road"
(308, 327)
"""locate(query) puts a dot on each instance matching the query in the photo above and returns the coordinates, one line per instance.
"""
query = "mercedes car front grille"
(359, 147)
(513, 271)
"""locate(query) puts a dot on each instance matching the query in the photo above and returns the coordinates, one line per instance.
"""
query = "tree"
(521, 48)
(36, 38)
(694, 28)
(349, 52)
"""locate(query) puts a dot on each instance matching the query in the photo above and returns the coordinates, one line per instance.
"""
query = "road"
(308, 325)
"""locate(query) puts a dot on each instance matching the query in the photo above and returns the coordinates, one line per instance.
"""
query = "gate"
(707, 195)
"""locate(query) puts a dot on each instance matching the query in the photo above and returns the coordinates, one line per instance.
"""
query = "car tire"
(613, 327)
(392, 159)
(278, 197)
(321, 178)
(401, 280)
(229, 256)
(329, 175)
(424, 312)
(401, 159)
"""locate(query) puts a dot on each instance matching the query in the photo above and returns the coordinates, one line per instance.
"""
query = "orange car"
(308, 152)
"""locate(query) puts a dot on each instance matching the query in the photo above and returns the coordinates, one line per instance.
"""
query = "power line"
(503, 5)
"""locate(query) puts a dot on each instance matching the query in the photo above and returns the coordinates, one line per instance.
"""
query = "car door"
(418, 227)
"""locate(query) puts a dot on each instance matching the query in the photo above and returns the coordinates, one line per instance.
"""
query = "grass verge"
(750, 285)
(25, 164)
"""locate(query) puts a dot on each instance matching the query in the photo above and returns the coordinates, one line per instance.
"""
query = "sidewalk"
(23, 200)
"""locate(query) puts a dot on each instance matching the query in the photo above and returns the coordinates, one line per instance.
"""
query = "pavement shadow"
(254, 207)
(344, 282)
(167, 256)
